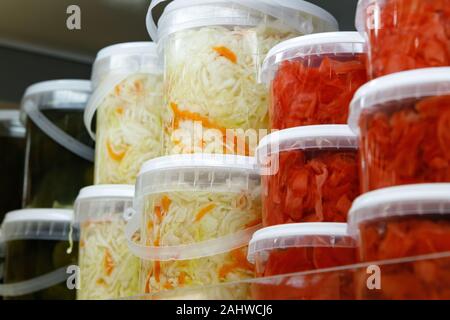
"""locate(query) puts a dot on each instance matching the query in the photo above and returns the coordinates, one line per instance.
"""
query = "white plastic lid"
(39, 215)
(10, 124)
(128, 48)
(418, 199)
(309, 45)
(44, 224)
(9, 115)
(307, 137)
(57, 85)
(316, 234)
(200, 161)
(106, 191)
(416, 84)
(213, 14)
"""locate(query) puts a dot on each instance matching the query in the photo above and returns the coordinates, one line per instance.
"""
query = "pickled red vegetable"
(311, 186)
(307, 92)
(409, 34)
(407, 145)
(402, 238)
(328, 285)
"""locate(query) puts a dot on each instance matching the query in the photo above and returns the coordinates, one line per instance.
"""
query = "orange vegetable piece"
(115, 155)
(204, 211)
(226, 53)
(108, 263)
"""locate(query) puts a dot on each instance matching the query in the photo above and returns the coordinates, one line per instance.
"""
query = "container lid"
(416, 84)
(208, 13)
(57, 85)
(314, 44)
(316, 234)
(200, 161)
(418, 199)
(307, 137)
(126, 58)
(10, 124)
(106, 191)
(44, 224)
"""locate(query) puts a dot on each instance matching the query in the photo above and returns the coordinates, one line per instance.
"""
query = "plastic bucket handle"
(186, 252)
(34, 285)
(56, 134)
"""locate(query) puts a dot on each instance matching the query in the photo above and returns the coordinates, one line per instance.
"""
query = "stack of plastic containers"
(108, 270)
(37, 264)
(59, 152)
(212, 52)
(127, 98)
(309, 167)
(402, 118)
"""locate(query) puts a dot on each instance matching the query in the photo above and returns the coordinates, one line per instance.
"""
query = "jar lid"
(315, 234)
(416, 84)
(106, 191)
(58, 85)
(307, 137)
(128, 48)
(313, 44)
(200, 161)
(178, 16)
(10, 124)
(38, 224)
(418, 199)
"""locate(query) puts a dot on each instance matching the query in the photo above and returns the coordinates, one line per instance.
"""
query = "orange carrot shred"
(204, 211)
(226, 53)
(165, 203)
(117, 156)
(157, 271)
(108, 263)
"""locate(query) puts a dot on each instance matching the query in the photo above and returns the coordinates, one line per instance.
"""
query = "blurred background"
(35, 44)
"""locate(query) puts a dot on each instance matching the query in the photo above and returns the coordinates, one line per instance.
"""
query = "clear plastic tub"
(59, 151)
(405, 34)
(196, 214)
(36, 254)
(310, 174)
(213, 51)
(301, 247)
(108, 270)
(313, 78)
(127, 97)
(403, 122)
(401, 222)
(12, 144)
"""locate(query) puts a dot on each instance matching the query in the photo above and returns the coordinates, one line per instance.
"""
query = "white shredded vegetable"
(129, 129)
(211, 79)
(108, 270)
(188, 217)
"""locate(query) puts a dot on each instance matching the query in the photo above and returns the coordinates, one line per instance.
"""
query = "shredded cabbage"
(187, 217)
(129, 129)
(211, 79)
(108, 270)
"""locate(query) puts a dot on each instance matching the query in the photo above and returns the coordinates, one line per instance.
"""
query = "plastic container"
(213, 51)
(196, 214)
(127, 97)
(402, 222)
(301, 247)
(405, 34)
(59, 151)
(403, 122)
(12, 144)
(313, 78)
(108, 270)
(310, 174)
(36, 245)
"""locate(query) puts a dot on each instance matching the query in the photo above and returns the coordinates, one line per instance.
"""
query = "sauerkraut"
(189, 217)
(108, 270)
(211, 86)
(129, 129)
